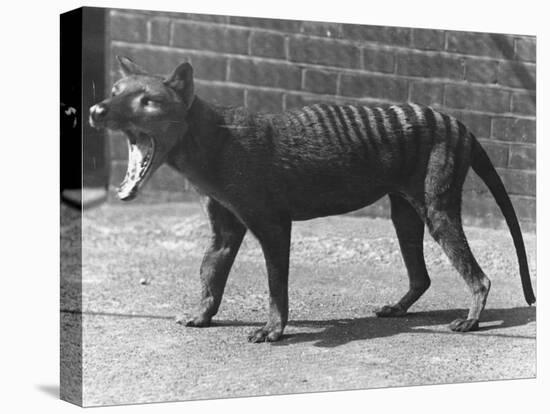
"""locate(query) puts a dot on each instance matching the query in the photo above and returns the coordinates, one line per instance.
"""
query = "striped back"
(400, 134)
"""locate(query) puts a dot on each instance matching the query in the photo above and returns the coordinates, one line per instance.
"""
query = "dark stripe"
(371, 137)
(295, 120)
(379, 113)
(341, 117)
(313, 126)
(308, 118)
(431, 124)
(415, 140)
(295, 126)
(307, 124)
(460, 140)
(332, 121)
(353, 121)
(448, 137)
(321, 120)
(462, 132)
(398, 135)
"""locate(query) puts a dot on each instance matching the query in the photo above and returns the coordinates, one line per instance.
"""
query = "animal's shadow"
(335, 332)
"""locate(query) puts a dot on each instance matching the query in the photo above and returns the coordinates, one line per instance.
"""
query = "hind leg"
(445, 226)
(410, 232)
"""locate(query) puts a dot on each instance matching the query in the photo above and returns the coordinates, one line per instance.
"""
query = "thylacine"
(262, 171)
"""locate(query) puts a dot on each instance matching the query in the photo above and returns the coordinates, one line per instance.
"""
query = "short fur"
(260, 172)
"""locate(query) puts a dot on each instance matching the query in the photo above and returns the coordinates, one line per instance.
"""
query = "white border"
(29, 176)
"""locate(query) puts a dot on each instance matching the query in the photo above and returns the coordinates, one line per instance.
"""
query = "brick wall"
(486, 80)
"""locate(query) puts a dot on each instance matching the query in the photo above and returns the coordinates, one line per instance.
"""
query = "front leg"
(227, 235)
(274, 237)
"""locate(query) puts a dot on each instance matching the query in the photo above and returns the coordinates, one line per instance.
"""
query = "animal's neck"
(198, 147)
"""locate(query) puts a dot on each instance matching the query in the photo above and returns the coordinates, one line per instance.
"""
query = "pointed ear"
(128, 67)
(181, 80)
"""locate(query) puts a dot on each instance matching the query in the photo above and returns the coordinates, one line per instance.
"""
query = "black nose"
(98, 112)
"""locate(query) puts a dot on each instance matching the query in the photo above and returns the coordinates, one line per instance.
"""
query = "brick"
(526, 210)
(264, 101)
(162, 63)
(498, 153)
(128, 28)
(291, 26)
(324, 52)
(398, 36)
(376, 60)
(373, 86)
(479, 125)
(526, 49)
(220, 94)
(154, 61)
(523, 157)
(481, 44)
(426, 93)
(517, 75)
(519, 182)
(482, 211)
(513, 129)
(209, 37)
(323, 29)
(160, 32)
(261, 73)
(432, 66)
(267, 44)
(208, 67)
(474, 184)
(481, 71)
(524, 103)
(208, 18)
(477, 98)
(320, 81)
(294, 101)
(428, 39)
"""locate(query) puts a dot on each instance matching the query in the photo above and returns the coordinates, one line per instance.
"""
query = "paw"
(265, 334)
(196, 322)
(390, 311)
(464, 325)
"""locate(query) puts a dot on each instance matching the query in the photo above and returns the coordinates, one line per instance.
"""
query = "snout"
(98, 113)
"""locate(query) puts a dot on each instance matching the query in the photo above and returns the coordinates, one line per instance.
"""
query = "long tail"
(483, 167)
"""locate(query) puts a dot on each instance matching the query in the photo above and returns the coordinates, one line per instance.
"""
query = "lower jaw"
(127, 195)
(137, 173)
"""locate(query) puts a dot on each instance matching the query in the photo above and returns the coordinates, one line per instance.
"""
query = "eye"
(145, 101)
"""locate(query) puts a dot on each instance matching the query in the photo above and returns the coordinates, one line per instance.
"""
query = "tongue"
(139, 158)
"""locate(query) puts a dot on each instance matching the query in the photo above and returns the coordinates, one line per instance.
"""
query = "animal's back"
(359, 153)
(394, 135)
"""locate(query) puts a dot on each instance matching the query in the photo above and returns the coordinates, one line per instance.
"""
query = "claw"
(390, 311)
(196, 322)
(464, 325)
(265, 335)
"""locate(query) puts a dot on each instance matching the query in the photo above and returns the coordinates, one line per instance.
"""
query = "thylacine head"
(151, 111)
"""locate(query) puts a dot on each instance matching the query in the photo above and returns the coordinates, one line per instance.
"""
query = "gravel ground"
(140, 273)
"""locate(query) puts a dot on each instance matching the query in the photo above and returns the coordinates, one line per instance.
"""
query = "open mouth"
(141, 151)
